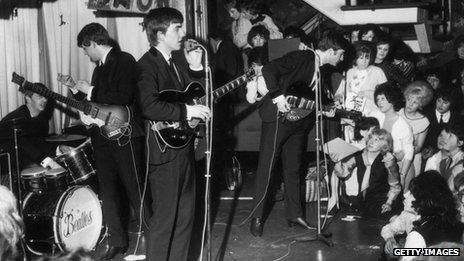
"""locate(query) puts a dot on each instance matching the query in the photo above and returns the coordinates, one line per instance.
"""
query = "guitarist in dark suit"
(288, 138)
(114, 82)
(171, 171)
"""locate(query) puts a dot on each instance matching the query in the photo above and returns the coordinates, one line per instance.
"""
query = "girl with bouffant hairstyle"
(11, 225)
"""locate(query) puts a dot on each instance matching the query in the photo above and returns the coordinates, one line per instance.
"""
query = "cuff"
(184, 112)
(278, 99)
(196, 69)
(46, 162)
(275, 94)
(89, 94)
(74, 90)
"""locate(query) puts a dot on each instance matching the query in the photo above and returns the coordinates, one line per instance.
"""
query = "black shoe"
(112, 251)
(256, 227)
(300, 222)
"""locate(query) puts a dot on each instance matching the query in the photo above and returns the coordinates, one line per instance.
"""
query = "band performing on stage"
(349, 122)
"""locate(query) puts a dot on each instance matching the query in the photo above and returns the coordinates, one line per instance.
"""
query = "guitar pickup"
(94, 112)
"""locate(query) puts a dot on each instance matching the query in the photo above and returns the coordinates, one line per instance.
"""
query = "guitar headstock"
(66, 80)
(250, 73)
(19, 80)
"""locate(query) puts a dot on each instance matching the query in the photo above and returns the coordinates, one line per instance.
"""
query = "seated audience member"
(404, 59)
(372, 179)
(256, 89)
(369, 32)
(362, 129)
(254, 11)
(443, 113)
(434, 202)
(432, 76)
(383, 61)
(258, 36)
(34, 124)
(417, 95)
(399, 225)
(240, 25)
(11, 226)
(448, 161)
(389, 100)
(459, 188)
(361, 80)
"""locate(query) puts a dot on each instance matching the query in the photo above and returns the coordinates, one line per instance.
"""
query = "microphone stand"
(18, 175)
(209, 102)
(322, 237)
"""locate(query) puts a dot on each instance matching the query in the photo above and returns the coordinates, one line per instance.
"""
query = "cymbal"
(65, 137)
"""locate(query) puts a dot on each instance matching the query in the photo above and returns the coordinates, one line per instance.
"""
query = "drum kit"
(60, 210)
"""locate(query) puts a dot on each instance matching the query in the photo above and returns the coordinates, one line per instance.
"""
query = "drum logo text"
(74, 224)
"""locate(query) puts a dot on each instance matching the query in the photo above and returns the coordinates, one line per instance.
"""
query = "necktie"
(174, 69)
(441, 118)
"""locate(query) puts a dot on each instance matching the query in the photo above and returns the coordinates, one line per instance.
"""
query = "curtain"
(19, 52)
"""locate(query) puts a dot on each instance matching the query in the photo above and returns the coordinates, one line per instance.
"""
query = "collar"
(446, 116)
(218, 44)
(166, 56)
(103, 59)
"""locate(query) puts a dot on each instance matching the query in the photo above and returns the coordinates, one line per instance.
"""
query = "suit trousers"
(173, 193)
(116, 168)
(289, 140)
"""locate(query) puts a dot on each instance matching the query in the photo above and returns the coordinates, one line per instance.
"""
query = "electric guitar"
(113, 120)
(177, 134)
(301, 100)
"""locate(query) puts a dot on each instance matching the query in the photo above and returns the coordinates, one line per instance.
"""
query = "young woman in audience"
(240, 24)
(389, 100)
(11, 226)
(362, 129)
(258, 36)
(254, 11)
(404, 59)
(361, 80)
(382, 60)
(433, 201)
(371, 176)
(417, 95)
(449, 160)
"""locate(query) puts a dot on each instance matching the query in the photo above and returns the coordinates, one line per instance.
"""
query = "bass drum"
(62, 221)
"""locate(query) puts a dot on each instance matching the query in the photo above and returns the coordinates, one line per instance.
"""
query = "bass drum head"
(78, 220)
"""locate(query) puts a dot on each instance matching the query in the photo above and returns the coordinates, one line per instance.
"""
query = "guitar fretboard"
(25, 85)
(219, 92)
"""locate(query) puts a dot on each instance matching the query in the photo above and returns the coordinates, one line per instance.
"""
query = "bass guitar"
(177, 134)
(112, 120)
(301, 100)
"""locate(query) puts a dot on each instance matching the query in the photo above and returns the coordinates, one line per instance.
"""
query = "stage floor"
(354, 239)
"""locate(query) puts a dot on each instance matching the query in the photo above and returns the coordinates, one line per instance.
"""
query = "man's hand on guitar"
(198, 111)
(83, 86)
(88, 120)
(282, 104)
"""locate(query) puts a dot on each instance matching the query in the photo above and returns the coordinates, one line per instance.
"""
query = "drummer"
(33, 121)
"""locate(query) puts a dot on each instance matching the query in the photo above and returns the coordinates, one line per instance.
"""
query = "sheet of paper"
(340, 148)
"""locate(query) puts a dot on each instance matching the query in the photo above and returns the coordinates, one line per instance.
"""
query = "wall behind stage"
(38, 43)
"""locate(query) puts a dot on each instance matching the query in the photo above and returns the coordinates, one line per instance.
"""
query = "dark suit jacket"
(435, 128)
(33, 131)
(228, 63)
(155, 76)
(115, 83)
(280, 74)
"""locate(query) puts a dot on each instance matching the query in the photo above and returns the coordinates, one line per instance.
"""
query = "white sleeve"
(403, 132)
(242, 27)
(413, 240)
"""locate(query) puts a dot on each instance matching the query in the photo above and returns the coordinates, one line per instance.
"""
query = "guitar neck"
(223, 90)
(53, 95)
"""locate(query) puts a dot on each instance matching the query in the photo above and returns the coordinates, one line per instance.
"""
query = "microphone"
(191, 45)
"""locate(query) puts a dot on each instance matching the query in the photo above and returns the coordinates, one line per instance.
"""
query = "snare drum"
(79, 163)
(33, 179)
(62, 221)
(55, 179)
